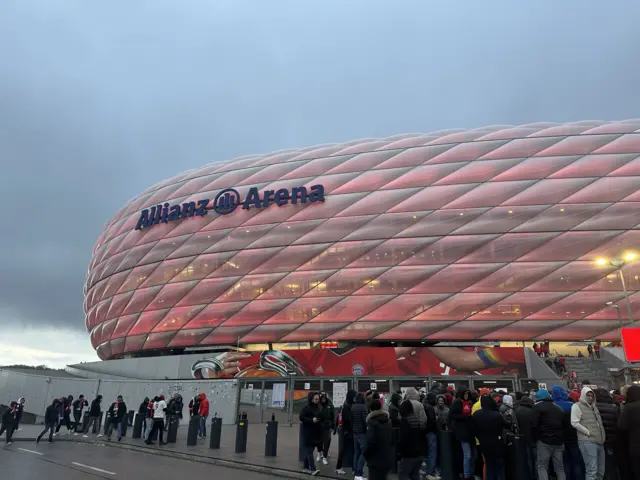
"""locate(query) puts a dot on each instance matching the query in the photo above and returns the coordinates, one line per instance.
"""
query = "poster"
(363, 361)
(340, 392)
(278, 398)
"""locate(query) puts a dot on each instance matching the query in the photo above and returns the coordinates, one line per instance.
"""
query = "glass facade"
(484, 234)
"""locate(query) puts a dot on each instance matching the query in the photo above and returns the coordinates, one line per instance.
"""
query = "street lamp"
(618, 263)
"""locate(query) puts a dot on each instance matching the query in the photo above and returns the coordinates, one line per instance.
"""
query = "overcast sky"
(99, 100)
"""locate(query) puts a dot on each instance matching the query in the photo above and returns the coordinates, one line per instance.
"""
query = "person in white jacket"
(585, 418)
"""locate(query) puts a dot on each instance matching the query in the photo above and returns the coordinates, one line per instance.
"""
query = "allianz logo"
(226, 202)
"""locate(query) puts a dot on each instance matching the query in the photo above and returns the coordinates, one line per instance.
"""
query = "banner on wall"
(278, 396)
(363, 361)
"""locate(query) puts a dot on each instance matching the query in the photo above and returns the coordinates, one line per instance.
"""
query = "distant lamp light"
(630, 257)
(602, 261)
(609, 303)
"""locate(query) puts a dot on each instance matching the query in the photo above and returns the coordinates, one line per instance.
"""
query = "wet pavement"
(81, 461)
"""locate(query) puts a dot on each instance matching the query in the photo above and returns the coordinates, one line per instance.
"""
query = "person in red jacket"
(204, 413)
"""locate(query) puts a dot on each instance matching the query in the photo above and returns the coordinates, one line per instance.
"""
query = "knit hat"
(542, 395)
(574, 396)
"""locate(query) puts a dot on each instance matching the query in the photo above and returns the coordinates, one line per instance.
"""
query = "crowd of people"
(567, 435)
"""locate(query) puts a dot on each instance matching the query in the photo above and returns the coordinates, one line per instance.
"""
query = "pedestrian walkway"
(594, 370)
(287, 458)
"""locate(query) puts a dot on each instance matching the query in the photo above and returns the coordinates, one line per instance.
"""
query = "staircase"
(596, 371)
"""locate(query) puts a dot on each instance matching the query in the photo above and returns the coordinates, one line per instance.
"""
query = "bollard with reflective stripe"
(448, 469)
(271, 439)
(192, 433)
(242, 433)
(137, 426)
(216, 432)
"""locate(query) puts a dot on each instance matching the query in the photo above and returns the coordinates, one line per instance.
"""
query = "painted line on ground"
(95, 469)
(30, 451)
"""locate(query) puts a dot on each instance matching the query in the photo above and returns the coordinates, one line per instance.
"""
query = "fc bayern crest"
(357, 369)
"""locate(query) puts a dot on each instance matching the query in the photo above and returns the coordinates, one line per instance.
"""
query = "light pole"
(617, 307)
(618, 264)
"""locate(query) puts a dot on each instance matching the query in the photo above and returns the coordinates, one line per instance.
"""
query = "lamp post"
(617, 307)
(618, 264)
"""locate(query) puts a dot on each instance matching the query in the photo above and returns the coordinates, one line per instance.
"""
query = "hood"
(443, 398)
(526, 402)
(484, 391)
(359, 398)
(378, 416)
(603, 396)
(519, 396)
(542, 395)
(633, 394)
(351, 397)
(583, 395)
(412, 394)
(406, 408)
(146, 400)
(395, 400)
(310, 397)
(507, 400)
(161, 397)
(431, 398)
(203, 396)
(558, 393)
(488, 403)
(99, 398)
(21, 400)
(574, 396)
(461, 391)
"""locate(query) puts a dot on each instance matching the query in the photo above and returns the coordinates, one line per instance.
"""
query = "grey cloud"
(100, 100)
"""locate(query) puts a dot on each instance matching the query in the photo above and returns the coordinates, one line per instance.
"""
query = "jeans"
(553, 452)
(495, 468)
(594, 458)
(326, 442)
(49, 427)
(158, 426)
(65, 420)
(359, 445)
(118, 425)
(573, 463)
(347, 445)
(148, 427)
(76, 420)
(202, 428)
(468, 458)
(432, 453)
(309, 464)
(532, 455)
(409, 468)
(9, 429)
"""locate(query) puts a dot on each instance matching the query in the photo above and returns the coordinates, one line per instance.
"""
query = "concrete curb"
(194, 457)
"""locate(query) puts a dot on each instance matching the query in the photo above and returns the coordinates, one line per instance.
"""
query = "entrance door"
(504, 385)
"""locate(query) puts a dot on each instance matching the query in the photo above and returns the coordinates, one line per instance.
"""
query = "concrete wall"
(39, 392)
(538, 370)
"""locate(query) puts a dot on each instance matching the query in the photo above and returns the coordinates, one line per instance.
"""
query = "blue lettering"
(298, 191)
(282, 197)
(253, 199)
(202, 207)
(174, 213)
(316, 194)
(188, 209)
(143, 221)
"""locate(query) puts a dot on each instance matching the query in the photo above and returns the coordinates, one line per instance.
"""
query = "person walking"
(94, 415)
(548, 418)
(65, 414)
(149, 419)
(9, 420)
(526, 426)
(159, 415)
(311, 431)
(116, 415)
(78, 406)
(489, 425)
(596, 350)
(50, 420)
(379, 442)
(203, 411)
(431, 434)
(610, 414)
(410, 443)
(328, 421)
(19, 411)
(629, 427)
(359, 423)
(143, 411)
(462, 426)
(585, 418)
(346, 430)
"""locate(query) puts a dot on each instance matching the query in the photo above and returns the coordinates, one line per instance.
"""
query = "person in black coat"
(629, 427)
(610, 414)
(346, 430)
(94, 414)
(489, 426)
(50, 420)
(394, 410)
(462, 426)
(410, 441)
(78, 407)
(431, 432)
(526, 426)
(9, 421)
(359, 414)
(378, 451)
(328, 417)
(311, 431)
(65, 414)
(116, 415)
(549, 421)
(143, 412)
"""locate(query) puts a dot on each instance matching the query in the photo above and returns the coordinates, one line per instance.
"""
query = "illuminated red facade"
(487, 234)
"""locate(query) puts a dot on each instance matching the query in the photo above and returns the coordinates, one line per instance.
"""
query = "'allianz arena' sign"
(227, 201)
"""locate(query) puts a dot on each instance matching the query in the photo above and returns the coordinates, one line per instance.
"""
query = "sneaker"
(85, 436)
(325, 461)
(55, 434)
(341, 472)
(76, 434)
(306, 470)
(315, 472)
(9, 443)
(432, 477)
(37, 440)
(318, 457)
(358, 478)
(100, 435)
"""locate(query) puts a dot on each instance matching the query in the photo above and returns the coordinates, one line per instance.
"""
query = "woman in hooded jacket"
(346, 430)
(328, 420)
(489, 426)
(378, 451)
(311, 431)
(463, 429)
(394, 410)
(143, 413)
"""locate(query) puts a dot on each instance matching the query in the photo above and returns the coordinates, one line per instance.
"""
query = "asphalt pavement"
(84, 461)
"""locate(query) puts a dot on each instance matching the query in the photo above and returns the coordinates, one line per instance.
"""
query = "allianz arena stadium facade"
(500, 233)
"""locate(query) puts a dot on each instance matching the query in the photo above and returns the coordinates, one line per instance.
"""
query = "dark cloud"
(100, 100)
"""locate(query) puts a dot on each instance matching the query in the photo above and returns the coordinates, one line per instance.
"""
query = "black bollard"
(85, 421)
(271, 439)
(192, 433)
(448, 470)
(301, 447)
(216, 432)
(130, 416)
(242, 433)
(124, 423)
(107, 421)
(516, 464)
(137, 426)
(347, 458)
(172, 433)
